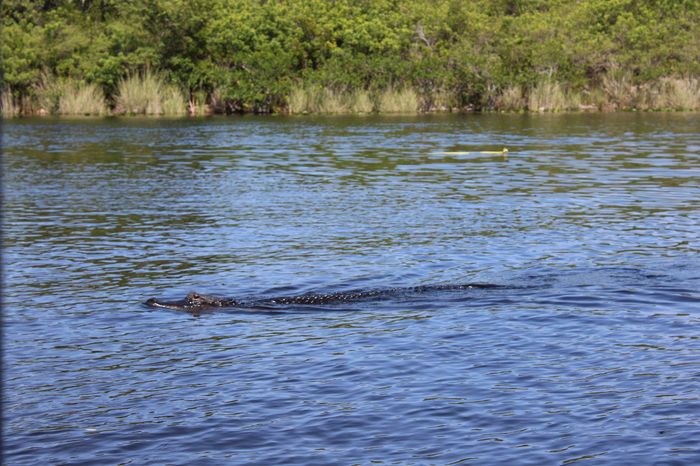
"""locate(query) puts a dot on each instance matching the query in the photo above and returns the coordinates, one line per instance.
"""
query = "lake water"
(590, 352)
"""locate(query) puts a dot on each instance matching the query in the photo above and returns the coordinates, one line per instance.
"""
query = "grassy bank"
(150, 94)
(62, 96)
(316, 99)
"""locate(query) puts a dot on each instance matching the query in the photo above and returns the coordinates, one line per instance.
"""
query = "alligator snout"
(193, 301)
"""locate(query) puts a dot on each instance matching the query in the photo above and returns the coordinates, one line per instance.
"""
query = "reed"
(436, 100)
(8, 105)
(67, 96)
(619, 87)
(360, 101)
(298, 101)
(677, 94)
(317, 99)
(595, 99)
(81, 99)
(217, 101)
(401, 100)
(172, 101)
(511, 99)
(329, 101)
(149, 94)
(551, 96)
(47, 94)
(309, 99)
(197, 105)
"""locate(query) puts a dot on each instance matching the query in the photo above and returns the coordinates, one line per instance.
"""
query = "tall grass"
(47, 93)
(619, 87)
(9, 107)
(317, 99)
(551, 96)
(172, 101)
(617, 91)
(81, 99)
(217, 102)
(66, 96)
(511, 99)
(436, 100)
(668, 93)
(149, 94)
(197, 104)
(360, 101)
(298, 100)
(402, 100)
(331, 101)
(595, 99)
(676, 94)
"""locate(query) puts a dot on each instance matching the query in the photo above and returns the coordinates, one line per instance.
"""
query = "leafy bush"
(381, 55)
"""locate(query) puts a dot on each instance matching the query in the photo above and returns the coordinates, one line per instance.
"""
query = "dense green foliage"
(249, 55)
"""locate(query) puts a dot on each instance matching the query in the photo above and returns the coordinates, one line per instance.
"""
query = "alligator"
(196, 302)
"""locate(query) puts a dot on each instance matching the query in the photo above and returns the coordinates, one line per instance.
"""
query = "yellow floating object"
(499, 152)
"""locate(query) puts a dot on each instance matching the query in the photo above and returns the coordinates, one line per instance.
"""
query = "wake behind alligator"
(195, 302)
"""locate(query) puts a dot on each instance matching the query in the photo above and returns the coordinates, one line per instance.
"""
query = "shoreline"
(345, 57)
(114, 115)
(151, 94)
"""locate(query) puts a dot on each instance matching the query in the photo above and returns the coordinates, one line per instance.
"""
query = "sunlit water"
(590, 353)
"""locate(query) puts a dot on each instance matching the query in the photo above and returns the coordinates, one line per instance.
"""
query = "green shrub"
(379, 55)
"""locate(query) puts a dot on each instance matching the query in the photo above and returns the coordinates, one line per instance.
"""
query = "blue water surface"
(589, 352)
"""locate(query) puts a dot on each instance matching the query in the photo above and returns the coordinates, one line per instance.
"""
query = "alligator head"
(193, 302)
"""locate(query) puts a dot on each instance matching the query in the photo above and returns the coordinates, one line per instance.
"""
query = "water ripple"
(590, 353)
